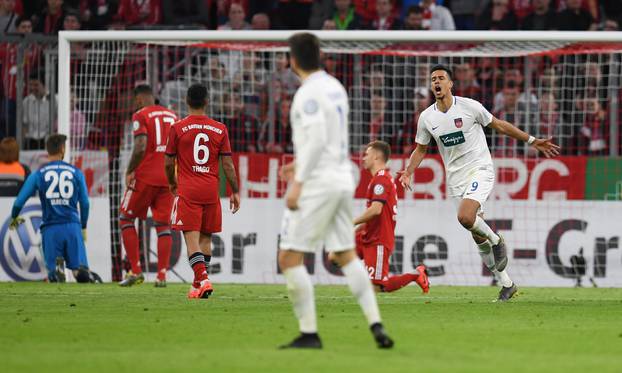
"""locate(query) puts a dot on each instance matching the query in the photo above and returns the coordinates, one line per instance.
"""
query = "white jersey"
(460, 137)
(319, 118)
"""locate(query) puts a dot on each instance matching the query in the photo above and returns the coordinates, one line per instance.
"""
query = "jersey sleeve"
(29, 187)
(379, 190)
(139, 127)
(482, 115)
(309, 121)
(171, 144)
(423, 135)
(225, 148)
(83, 199)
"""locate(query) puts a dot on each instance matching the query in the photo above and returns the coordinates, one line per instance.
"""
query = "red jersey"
(198, 141)
(381, 229)
(155, 122)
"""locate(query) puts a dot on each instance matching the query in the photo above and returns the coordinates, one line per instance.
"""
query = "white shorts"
(321, 218)
(478, 187)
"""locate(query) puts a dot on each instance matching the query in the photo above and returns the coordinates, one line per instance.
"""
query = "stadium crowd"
(251, 92)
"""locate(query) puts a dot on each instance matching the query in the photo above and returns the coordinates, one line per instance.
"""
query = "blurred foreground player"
(61, 188)
(320, 195)
(375, 239)
(457, 125)
(146, 185)
(196, 143)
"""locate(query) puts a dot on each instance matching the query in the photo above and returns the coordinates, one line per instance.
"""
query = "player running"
(61, 188)
(375, 237)
(146, 185)
(456, 123)
(196, 143)
(319, 199)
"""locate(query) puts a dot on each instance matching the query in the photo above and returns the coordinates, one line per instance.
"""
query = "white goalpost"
(564, 85)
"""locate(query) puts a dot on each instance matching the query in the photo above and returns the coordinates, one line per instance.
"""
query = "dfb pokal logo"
(21, 255)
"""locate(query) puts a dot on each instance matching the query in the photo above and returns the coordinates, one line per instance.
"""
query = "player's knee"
(466, 220)
(126, 222)
(82, 275)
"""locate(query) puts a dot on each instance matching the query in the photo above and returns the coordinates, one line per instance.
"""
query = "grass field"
(101, 328)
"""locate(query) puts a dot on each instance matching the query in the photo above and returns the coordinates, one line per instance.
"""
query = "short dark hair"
(196, 97)
(143, 89)
(22, 19)
(414, 9)
(35, 75)
(381, 146)
(443, 68)
(305, 48)
(55, 142)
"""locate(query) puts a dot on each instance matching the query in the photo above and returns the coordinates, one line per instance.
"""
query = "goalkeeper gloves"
(15, 222)
(84, 234)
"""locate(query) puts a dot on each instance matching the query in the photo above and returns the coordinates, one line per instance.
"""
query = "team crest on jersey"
(378, 189)
(458, 122)
(310, 107)
(136, 125)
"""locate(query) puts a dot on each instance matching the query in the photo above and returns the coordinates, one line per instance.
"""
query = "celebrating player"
(61, 188)
(319, 199)
(375, 237)
(196, 143)
(146, 184)
(456, 123)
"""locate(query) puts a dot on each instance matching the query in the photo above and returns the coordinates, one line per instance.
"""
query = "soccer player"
(146, 185)
(196, 143)
(375, 237)
(320, 194)
(457, 124)
(61, 187)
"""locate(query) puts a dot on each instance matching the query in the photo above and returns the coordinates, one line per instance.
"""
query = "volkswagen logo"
(21, 256)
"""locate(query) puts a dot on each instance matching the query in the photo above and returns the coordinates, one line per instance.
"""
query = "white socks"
(361, 288)
(300, 291)
(482, 229)
(485, 251)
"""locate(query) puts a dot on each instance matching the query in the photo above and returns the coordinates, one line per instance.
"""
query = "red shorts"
(376, 260)
(138, 200)
(189, 216)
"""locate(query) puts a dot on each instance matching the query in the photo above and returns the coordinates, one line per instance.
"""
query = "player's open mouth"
(437, 89)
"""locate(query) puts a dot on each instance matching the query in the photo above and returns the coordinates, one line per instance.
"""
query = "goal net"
(559, 216)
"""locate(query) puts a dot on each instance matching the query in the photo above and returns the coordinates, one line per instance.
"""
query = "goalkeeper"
(61, 187)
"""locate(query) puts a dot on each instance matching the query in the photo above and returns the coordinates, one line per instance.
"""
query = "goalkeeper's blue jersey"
(61, 187)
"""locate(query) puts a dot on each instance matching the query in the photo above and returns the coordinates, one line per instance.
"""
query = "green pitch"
(110, 329)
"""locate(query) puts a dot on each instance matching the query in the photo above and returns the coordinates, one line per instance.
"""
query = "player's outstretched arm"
(138, 153)
(28, 189)
(545, 146)
(232, 179)
(413, 162)
(372, 211)
(169, 170)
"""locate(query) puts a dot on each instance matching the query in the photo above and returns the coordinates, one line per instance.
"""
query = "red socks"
(398, 282)
(130, 242)
(165, 241)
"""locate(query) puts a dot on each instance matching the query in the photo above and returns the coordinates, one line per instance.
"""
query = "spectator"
(37, 121)
(541, 18)
(524, 98)
(77, 121)
(521, 8)
(281, 83)
(592, 132)
(498, 16)
(236, 19)
(293, 14)
(345, 17)
(465, 84)
(98, 14)
(505, 146)
(575, 18)
(379, 125)
(612, 10)
(139, 12)
(366, 9)
(404, 139)
(385, 18)
(12, 173)
(414, 18)
(463, 12)
(282, 135)
(321, 11)
(243, 128)
(610, 25)
(50, 20)
(329, 24)
(8, 17)
(260, 21)
(71, 21)
(437, 17)
(549, 120)
(185, 12)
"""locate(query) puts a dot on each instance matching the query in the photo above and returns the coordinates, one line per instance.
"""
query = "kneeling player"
(375, 237)
(61, 187)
